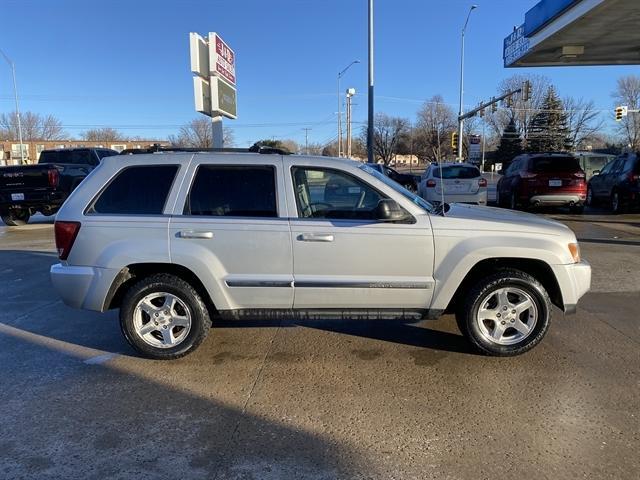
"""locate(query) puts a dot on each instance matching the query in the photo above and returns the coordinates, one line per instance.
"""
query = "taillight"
(54, 177)
(66, 233)
(579, 175)
(482, 182)
(431, 183)
(634, 177)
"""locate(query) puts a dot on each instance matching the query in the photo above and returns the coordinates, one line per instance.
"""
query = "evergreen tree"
(549, 130)
(510, 144)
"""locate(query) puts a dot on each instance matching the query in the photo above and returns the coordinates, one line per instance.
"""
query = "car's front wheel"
(163, 317)
(16, 218)
(505, 314)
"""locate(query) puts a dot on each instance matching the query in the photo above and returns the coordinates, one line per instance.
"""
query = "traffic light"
(621, 112)
(454, 140)
(494, 105)
(509, 101)
(482, 113)
(526, 91)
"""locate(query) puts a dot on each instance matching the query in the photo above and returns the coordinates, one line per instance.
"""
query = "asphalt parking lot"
(321, 400)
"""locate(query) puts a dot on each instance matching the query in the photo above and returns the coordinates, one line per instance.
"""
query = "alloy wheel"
(162, 320)
(507, 316)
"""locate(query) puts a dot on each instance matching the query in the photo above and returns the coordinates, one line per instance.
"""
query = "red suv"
(543, 179)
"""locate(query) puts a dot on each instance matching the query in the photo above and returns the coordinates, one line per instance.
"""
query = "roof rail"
(159, 148)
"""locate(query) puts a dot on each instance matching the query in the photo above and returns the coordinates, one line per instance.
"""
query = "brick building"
(10, 149)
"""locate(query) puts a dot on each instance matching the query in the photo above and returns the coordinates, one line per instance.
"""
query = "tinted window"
(137, 191)
(326, 193)
(617, 165)
(456, 171)
(233, 191)
(106, 153)
(629, 164)
(555, 164)
(77, 157)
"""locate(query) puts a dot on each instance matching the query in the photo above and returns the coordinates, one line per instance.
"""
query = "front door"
(343, 257)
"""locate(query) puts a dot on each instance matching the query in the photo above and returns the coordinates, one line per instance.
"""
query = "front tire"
(505, 314)
(163, 317)
(16, 218)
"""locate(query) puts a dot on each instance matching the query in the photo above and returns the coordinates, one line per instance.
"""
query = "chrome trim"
(260, 283)
(346, 284)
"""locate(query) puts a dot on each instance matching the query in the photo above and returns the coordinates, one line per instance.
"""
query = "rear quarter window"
(140, 190)
(555, 165)
(456, 172)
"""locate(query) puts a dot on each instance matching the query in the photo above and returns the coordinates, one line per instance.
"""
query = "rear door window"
(233, 191)
(555, 165)
(140, 190)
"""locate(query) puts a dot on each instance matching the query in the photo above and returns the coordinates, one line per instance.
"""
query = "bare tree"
(106, 134)
(583, 120)
(387, 134)
(198, 134)
(432, 135)
(522, 112)
(34, 126)
(628, 94)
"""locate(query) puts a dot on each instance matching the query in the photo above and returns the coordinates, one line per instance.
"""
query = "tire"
(616, 203)
(144, 301)
(513, 201)
(482, 330)
(16, 218)
(591, 201)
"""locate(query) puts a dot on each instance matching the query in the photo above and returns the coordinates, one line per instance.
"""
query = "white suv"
(453, 182)
(173, 239)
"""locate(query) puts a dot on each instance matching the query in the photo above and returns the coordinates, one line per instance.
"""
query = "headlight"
(574, 249)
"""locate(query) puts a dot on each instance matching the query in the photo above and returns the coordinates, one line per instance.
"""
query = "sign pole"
(217, 132)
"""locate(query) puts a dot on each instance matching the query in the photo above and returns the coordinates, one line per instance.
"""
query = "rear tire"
(616, 203)
(591, 201)
(505, 314)
(160, 310)
(16, 218)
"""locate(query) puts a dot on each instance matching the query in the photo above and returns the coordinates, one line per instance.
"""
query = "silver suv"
(174, 239)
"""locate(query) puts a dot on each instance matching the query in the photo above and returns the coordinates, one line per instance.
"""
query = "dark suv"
(617, 184)
(543, 179)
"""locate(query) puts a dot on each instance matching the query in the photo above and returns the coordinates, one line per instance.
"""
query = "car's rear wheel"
(616, 202)
(590, 198)
(16, 218)
(163, 317)
(505, 314)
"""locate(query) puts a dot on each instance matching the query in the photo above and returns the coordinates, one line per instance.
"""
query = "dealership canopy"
(576, 32)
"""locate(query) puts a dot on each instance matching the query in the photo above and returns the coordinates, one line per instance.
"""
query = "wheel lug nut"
(513, 320)
(504, 308)
(156, 323)
(513, 311)
(498, 315)
(164, 326)
(156, 314)
(503, 322)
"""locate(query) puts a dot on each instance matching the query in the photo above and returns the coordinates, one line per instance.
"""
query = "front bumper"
(574, 281)
(82, 287)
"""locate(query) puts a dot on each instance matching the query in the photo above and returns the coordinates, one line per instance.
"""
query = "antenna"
(441, 187)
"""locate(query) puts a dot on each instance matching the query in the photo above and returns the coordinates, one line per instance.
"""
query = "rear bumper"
(34, 199)
(82, 287)
(558, 199)
(574, 281)
(479, 198)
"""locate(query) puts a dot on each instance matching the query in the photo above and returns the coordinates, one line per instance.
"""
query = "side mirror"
(388, 210)
(595, 172)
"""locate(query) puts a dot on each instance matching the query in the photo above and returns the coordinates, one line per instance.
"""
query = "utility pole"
(370, 115)
(306, 140)
(350, 93)
(15, 93)
(460, 112)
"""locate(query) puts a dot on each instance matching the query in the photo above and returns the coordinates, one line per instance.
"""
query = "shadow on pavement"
(610, 242)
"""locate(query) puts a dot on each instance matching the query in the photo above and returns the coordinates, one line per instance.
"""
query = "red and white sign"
(222, 60)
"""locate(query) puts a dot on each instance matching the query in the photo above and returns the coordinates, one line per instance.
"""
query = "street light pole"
(460, 111)
(370, 158)
(340, 106)
(15, 93)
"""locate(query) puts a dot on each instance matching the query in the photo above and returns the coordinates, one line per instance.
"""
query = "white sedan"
(453, 183)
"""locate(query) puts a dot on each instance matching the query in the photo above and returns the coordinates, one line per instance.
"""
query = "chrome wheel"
(162, 320)
(507, 316)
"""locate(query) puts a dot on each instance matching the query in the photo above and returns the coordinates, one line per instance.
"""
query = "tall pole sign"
(214, 86)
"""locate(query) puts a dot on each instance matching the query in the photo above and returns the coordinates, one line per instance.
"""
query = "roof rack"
(159, 148)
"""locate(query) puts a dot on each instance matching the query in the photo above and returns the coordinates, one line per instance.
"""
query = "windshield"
(456, 171)
(422, 203)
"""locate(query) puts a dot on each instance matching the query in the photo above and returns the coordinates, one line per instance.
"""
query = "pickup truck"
(27, 189)
(173, 239)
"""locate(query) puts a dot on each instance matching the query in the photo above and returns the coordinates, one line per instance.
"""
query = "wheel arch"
(137, 271)
(538, 269)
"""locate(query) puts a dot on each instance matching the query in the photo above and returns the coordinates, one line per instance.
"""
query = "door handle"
(316, 237)
(195, 234)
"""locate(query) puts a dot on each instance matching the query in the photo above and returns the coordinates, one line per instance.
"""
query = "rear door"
(343, 257)
(230, 225)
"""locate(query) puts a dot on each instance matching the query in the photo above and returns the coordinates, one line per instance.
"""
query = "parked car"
(543, 179)
(27, 189)
(408, 181)
(173, 239)
(617, 184)
(462, 182)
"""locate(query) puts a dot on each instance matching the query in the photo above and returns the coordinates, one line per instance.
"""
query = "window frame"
(187, 198)
(323, 219)
(87, 213)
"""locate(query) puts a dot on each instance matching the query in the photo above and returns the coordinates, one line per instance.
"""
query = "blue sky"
(126, 63)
